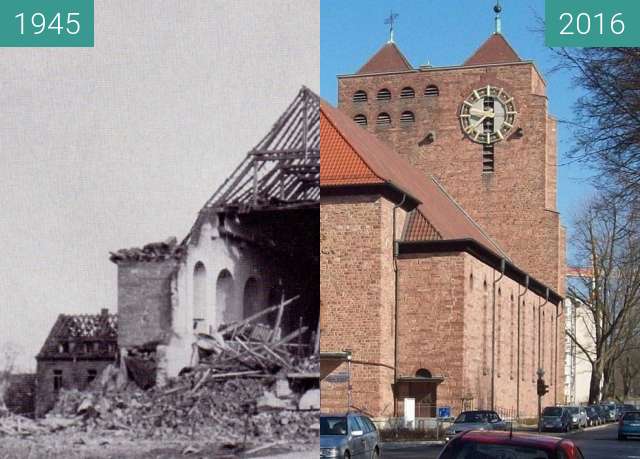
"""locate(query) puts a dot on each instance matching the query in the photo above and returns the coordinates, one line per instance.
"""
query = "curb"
(398, 444)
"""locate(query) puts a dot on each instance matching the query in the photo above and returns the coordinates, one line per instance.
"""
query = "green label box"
(597, 23)
(46, 23)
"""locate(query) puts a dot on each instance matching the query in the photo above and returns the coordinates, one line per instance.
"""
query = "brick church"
(442, 253)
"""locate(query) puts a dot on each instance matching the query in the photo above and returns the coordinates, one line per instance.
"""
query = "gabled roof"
(378, 163)
(495, 50)
(283, 170)
(388, 59)
(101, 327)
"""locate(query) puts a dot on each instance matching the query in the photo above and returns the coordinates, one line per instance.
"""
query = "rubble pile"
(249, 385)
(155, 251)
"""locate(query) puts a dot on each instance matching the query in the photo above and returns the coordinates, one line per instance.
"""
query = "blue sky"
(446, 33)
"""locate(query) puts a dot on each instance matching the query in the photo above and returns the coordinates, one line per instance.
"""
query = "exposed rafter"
(283, 170)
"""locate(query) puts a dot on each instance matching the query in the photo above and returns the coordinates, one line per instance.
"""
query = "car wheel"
(347, 455)
(376, 453)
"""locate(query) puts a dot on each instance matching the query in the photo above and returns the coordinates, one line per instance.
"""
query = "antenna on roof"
(390, 21)
(498, 9)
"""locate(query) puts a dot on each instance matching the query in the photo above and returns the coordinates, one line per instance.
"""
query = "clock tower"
(483, 131)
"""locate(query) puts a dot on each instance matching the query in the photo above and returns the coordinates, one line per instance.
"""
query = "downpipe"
(493, 333)
(395, 305)
(520, 295)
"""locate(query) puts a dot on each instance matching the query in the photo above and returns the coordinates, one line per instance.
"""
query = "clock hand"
(486, 114)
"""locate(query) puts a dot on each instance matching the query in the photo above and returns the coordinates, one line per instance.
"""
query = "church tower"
(483, 130)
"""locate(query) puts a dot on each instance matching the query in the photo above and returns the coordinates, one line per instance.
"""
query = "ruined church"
(252, 245)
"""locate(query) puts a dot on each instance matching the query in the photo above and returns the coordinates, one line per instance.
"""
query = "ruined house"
(253, 244)
(76, 351)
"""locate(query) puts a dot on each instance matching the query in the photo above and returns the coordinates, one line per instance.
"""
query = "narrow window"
(384, 94)
(432, 91)
(407, 93)
(360, 119)
(407, 118)
(487, 158)
(384, 119)
(91, 375)
(359, 96)
(199, 291)
(57, 380)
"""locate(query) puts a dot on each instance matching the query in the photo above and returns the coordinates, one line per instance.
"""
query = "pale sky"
(121, 144)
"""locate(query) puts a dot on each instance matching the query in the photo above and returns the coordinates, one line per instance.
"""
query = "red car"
(477, 444)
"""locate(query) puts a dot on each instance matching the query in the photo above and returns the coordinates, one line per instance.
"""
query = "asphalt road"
(595, 443)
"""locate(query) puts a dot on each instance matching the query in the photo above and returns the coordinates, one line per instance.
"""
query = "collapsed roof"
(283, 170)
(101, 327)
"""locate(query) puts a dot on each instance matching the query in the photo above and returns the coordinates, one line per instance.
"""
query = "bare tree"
(606, 127)
(8, 356)
(607, 240)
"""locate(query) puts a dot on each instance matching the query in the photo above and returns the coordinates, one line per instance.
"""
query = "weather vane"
(390, 21)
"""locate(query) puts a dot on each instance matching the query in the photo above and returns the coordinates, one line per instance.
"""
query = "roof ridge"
(464, 212)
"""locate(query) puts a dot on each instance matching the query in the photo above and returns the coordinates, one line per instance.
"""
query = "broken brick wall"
(144, 302)
(75, 374)
(20, 394)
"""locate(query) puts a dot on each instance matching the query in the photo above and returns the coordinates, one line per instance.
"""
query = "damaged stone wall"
(144, 302)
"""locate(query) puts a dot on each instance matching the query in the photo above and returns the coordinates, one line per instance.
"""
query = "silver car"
(475, 420)
(578, 416)
(348, 436)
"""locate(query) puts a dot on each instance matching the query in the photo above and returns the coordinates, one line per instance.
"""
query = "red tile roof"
(418, 228)
(387, 59)
(341, 139)
(341, 165)
(496, 50)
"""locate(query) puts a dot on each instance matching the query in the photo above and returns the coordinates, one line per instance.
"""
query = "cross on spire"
(390, 21)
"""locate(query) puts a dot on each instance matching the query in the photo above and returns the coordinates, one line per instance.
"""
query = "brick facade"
(516, 203)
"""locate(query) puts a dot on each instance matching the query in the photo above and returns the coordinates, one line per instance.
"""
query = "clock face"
(488, 115)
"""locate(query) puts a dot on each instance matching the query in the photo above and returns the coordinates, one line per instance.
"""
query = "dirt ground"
(80, 445)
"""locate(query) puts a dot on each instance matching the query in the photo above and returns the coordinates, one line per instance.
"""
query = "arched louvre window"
(360, 119)
(407, 118)
(384, 119)
(407, 93)
(384, 94)
(432, 91)
(359, 96)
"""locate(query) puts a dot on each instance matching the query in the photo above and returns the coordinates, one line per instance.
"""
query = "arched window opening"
(384, 119)
(251, 301)
(360, 119)
(432, 91)
(359, 96)
(407, 93)
(199, 291)
(384, 94)
(423, 373)
(407, 118)
(224, 296)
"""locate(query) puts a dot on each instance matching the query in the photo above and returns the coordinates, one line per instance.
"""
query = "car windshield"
(477, 417)
(573, 409)
(632, 416)
(552, 411)
(609, 408)
(473, 450)
(333, 425)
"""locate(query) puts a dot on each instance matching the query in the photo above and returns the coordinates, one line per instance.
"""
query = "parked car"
(602, 413)
(348, 436)
(475, 420)
(624, 408)
(494, 445)
(629, 425)
(593, 417)
(610, 410)
(555, 418)
(578, 416)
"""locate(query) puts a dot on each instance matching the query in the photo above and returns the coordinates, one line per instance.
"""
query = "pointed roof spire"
(496, 50)
(498, 9)
(390, 21)
(388, 59)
